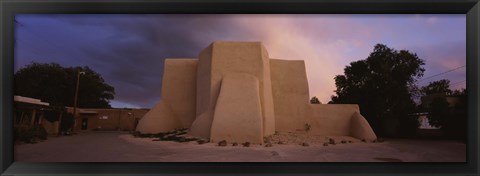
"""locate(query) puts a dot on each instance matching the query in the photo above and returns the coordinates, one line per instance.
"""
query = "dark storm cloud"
(129, 50)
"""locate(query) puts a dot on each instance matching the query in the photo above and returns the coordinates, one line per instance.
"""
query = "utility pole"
(75, 100)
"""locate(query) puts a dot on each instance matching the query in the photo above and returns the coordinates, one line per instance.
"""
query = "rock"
(234, 144)
(325, 144)
(169, 136)
(222, 143)
(305, 144)
(331, 141)
(274, 153)
(266, 139)
(380, 140)
(343, 142)
(246, 144)
(374, 141)
(268, 145)
(350, 142)
(280, 142)
(363, 140)
(201, 141)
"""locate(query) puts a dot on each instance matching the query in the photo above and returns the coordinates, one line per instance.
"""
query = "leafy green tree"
(315, 100)
(440, 86)
(383, 86)
(56, 85)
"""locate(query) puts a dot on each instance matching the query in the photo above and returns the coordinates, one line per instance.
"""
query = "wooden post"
(75, 101)
(60, 123)
(32, 120)
(40, 118)
(21, 117)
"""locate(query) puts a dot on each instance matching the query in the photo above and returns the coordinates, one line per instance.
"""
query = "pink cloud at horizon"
(328, 43)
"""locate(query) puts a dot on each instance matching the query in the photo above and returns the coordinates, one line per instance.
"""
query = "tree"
(315, 100)
(451, 119)
(439, 112)
(56, 85)
(458, 124)
(440, 86)
(383, 86)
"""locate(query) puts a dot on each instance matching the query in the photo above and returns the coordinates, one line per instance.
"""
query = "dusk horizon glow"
(129, 50)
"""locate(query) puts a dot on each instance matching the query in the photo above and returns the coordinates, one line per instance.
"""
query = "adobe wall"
(238, 116)
(179, 88)
(51, 127)
(361, 129)
(331, 119)
(236, 57)
(129, 118)
(177, 106)
(111, 123)
(290, 94)
(204, 103)
(235, 92)
(118, 119)
(159, 119)
(339, 120)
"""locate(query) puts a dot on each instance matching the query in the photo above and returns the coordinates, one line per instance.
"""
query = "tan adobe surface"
(177, 107)
(159, 119)
(331, 119)
(180, 92)
(220, 58)
(242, 96)
(360, 128)
(290, 94)
(238, 117)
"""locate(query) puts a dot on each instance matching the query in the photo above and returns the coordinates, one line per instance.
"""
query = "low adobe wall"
(331, 119)
(110, 119)
(339, 120)
(50, 127)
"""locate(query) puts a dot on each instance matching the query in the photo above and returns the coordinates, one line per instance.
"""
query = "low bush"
(40, 132)
(27, 134)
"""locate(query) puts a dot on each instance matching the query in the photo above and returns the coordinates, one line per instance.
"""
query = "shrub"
(27, 134)
(40, 132)
(24, 133)
(308, 127)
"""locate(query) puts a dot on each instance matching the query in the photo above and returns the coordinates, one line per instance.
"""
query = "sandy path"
(123, 147)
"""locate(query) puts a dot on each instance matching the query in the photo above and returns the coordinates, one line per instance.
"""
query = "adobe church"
(235, 92)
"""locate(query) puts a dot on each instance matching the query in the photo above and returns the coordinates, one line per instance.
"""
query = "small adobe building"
(235, 92)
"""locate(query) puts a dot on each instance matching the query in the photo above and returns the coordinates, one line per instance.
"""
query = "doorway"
(84, 123)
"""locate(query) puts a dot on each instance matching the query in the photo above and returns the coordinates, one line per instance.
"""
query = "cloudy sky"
(129, 50)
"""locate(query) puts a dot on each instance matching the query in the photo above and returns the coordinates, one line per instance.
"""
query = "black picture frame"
(8, 9)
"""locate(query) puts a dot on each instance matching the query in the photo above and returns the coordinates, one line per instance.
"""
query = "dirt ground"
(124, 147)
